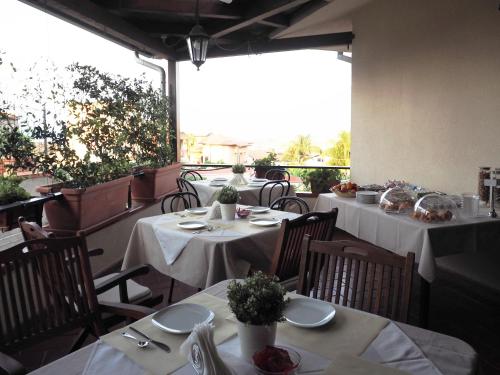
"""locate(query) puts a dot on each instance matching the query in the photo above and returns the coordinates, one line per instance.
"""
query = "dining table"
(354, 342)
(248, 193)
(201, 258)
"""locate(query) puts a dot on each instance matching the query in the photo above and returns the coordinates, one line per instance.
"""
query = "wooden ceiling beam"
(260, 10)
(208, 9)
(278, 21)
(86, 14)
(277, 45)
(304, 11)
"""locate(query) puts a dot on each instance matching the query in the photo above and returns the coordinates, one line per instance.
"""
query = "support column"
(173, 89)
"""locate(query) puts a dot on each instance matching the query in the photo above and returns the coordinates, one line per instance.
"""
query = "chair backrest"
(45, 288)
(290, 204)
(272, 190)
(32, 231)
(191, 175)
(286, 258)
(180, 201)
(278, 174)
(186, 186)
(358, 275)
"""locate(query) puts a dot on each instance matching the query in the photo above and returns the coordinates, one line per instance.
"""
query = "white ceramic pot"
(254, 338)
(228, 211)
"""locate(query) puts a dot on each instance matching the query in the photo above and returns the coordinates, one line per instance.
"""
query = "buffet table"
(249, 195)
(205, 258)
(402, 234)
(355, 335)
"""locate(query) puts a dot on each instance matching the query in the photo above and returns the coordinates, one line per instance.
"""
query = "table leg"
(425, 295)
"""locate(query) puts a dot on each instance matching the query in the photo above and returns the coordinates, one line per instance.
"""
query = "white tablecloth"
(402, 234)
(418, 351)
(203, 259)
(249, 195)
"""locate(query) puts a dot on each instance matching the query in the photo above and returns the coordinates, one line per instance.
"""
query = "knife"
(157, 343)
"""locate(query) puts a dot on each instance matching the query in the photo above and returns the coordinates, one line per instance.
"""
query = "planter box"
(319, 188)
(83, 208)
(260, 172)
(155, 183)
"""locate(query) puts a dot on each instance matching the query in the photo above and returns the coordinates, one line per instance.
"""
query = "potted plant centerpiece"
(238, 178)
(258, 304)
(265, 164)
(228, 196)
(320, 180)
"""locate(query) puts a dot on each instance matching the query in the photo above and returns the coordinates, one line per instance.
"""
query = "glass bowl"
(397, 201)
(435, 208)
(292, 354)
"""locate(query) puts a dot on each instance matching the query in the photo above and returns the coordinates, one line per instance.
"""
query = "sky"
(267, 99)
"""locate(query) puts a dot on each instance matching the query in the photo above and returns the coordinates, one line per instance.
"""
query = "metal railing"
(224, 166)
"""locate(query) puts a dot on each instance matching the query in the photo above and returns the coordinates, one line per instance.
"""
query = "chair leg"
(171, 291)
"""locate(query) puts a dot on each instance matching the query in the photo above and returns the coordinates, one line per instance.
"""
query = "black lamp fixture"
(197, 42)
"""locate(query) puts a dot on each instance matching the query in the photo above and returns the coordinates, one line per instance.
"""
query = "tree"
(299, 150)
(340, 153)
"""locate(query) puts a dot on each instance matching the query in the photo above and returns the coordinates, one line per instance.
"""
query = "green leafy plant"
(238, 168)
(259, 300)
(10, 191)
(269, 160)
(228, 195)
(321, 179)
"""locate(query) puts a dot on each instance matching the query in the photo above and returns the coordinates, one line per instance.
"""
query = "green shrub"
(259, 300)
(321, 178)
(269, 160)
(228, 195)
(10, 191)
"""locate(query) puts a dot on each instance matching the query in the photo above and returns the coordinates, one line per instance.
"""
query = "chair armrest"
(9, 366)
(122, 277)
(135, 312)
(95, 252)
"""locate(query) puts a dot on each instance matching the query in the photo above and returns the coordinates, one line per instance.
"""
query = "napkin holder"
(238, 180)
(201, 352)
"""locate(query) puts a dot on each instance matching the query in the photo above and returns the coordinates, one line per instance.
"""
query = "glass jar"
(482, 190)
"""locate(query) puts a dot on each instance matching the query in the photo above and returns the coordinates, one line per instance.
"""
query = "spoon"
(208, 229)
(140, 343)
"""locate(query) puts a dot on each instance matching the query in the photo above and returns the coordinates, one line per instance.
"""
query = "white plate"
(258, 209)
(197, 210)
(256, 184)
(259, 180)
(264, 222)
(218, 183)
(192, 224)
(308, 312)
(219, 179)
(181, 318)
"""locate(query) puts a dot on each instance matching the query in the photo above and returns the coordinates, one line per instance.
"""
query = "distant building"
(213, 148)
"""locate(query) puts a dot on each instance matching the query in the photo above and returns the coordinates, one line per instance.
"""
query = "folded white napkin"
(105, 359)
(237, 180)
(214, 211)
(172, 242)
(201, 352)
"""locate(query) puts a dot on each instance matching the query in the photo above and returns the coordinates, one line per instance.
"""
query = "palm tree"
(340, 153)
(299, 150)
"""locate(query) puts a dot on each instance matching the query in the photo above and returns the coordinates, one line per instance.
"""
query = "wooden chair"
(191, 175)
(290, 204)
(272, 190)
(46, 288)
(186, 187)
(179, 200)
(278, 174)
(358, 275)
(111, 287)
(286, 258)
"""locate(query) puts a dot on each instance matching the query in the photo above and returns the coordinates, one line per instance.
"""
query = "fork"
(208, 229)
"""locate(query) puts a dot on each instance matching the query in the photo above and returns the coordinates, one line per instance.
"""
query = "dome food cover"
(435, 208)
(396, 200)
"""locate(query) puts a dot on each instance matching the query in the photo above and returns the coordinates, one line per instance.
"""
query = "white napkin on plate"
(214, 211)
(201, 352)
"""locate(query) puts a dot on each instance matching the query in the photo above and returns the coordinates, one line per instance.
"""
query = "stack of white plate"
(366, 197)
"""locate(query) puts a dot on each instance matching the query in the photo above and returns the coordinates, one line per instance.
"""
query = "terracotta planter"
(83, 208)
(260, 172)
(155, 183)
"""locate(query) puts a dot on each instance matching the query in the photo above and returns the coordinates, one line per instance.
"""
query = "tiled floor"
(456, 311)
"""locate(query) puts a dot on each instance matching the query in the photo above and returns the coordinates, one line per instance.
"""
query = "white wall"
(426, 92)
